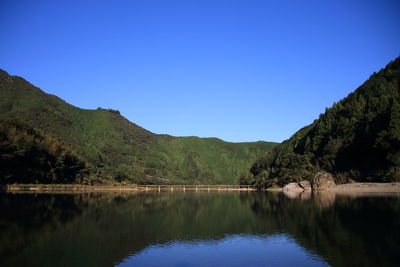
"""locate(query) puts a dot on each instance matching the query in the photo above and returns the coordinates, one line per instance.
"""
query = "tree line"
(357, 139)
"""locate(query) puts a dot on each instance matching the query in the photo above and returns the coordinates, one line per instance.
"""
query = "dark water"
(199, 229)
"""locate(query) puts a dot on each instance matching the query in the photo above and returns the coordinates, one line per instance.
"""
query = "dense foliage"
(356, 139)
(120, 151)
(27, 156)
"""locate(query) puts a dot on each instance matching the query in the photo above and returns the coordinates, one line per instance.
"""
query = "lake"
(199, 229)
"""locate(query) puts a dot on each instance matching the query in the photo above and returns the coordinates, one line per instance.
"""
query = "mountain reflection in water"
(199, 229)
(236, 250)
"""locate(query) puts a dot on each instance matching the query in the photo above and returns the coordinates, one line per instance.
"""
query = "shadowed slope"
(357, 138)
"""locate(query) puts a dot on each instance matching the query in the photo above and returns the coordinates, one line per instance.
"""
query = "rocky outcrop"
(294, 187)
(323, 181)
(306, 185)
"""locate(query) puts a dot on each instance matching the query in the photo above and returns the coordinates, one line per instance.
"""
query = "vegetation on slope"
(119, 150)
(209, 160)
(27, 155)
(356, 139)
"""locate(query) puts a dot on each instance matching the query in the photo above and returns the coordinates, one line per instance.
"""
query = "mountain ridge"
(357, 139)
(116, 149)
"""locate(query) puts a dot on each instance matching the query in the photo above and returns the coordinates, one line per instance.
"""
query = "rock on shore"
(323, 181)
(306, 185)
(294, 187)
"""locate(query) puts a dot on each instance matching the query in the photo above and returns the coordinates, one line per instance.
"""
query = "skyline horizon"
(236, 70)
(197, 136)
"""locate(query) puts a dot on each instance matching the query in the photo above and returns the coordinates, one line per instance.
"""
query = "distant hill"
(111, 148)
(357, 139)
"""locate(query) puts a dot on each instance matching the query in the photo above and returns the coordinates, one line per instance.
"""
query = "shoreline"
(66, 188)
(367, 187)
(352, 188)
(49, 188)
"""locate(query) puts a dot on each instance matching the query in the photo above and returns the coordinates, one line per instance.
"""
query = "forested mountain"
(27, 156)
(357, 139)
(107, 146)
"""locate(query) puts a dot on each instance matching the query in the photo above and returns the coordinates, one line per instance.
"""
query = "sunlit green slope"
(116, 149)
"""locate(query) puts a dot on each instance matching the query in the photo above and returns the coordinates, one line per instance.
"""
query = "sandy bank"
(367, 187)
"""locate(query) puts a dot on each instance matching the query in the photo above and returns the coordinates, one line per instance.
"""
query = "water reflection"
(249, 227)
(237, 250)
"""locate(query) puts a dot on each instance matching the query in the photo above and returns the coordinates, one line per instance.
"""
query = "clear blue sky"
(238, 70)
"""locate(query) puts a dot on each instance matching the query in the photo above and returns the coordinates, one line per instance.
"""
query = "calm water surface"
(199, 229)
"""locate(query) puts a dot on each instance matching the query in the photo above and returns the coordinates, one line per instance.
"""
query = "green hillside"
(28, 155)
(357, 139)
(115, 149)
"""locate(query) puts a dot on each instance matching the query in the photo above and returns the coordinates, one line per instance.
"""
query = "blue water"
(236, 250)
